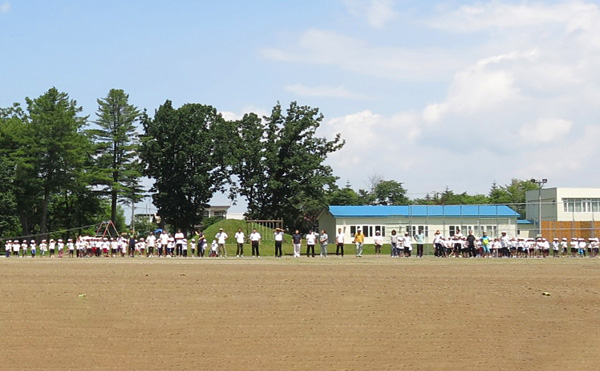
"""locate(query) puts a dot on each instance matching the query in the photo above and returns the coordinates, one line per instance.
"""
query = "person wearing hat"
(221, 238)
(70, 247)
(278, 236)
(555, 247)
(52, 247)
(32, 248)
(359, 240)
(377, 242)
(179, 242)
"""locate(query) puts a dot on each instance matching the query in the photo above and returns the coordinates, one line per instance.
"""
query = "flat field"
(300, 314)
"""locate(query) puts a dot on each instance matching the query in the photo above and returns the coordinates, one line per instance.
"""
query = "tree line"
(391, 192)
(61, 170)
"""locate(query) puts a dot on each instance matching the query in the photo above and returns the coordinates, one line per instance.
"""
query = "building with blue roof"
(448, 219)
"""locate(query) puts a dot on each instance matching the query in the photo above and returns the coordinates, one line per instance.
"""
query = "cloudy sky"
(433, 94)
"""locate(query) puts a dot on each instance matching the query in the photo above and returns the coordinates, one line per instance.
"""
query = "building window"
(581, 205)
(414, 229)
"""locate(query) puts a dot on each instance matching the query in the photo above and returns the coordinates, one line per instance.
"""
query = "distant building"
(565, 212)
(216, 211)
(492, 219)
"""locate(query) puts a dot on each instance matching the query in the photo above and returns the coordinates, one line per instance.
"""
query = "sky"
(433, 94)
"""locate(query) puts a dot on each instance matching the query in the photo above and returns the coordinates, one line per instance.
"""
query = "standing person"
(255, 242)
(377, 241)
(278, 235)
(239, 239)
(323, 242)
(297, 242)
(311, 240)
(339, 242)
(132, 243)
(420, 240)
(164, 242)
(485, 246)
(221, 238)
(32, 248)
(359, 240)
(438, 243)
(61, 247)
(504, 245)
(201, 243)
(151, 243)
(471, 245)
(394, 244)
(52, 247)
(43, 248)
(179, 242)
(407, 244)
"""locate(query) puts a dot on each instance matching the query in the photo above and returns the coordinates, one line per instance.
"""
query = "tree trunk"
(44, 218)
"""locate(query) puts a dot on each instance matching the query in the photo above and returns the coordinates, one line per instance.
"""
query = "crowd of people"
(164, 244)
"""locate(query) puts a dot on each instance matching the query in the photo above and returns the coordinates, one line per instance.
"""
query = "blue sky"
(430, 93)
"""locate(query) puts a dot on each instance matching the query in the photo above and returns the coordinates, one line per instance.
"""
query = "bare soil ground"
(308, 314)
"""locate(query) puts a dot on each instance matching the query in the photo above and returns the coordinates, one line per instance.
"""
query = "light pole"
(540, 183)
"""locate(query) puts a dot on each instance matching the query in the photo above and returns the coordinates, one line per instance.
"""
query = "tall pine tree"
(117, 148)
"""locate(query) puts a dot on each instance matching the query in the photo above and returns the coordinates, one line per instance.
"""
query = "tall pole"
(540, 183)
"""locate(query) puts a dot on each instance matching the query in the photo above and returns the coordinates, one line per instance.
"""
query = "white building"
(491, 219)
(565, 212)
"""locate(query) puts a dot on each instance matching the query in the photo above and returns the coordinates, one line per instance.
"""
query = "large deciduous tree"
(117, 148)
(279, 163)
(186, 152)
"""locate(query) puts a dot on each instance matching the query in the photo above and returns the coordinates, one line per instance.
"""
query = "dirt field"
(317, 314)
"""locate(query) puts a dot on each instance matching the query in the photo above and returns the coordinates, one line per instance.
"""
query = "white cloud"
(545, 130)
(323, 91)
(572, 15)
(377, 13)
(322, 47)
(521, 100)
(5, 7)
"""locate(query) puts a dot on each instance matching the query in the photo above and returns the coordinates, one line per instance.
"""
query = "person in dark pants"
(132, 243)
(420, 240)
(278, 235)
(339, 242)
(471, 245)
(311, 240)
(255, 241)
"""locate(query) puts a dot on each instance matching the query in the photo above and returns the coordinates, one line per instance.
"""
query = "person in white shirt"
(255, 241)
(24, 248)
(214, 247)
(407, 244)
(221, 238)
(151, 243)
(378, 242)
(339, 242)
(179, 241)
(278, 235)
(311, 240)
(164, 241)
(52, 247)
(32, 248)
(239, 240)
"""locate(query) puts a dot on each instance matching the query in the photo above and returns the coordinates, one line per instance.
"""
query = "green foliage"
(118, 168)
(186, 153)
(513, 194)
(344, 196)
(279, 165)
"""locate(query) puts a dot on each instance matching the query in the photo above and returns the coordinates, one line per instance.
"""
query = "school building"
(564, 212)
(448, 219)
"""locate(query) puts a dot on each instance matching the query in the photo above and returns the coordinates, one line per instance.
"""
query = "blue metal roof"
(524, 221)
(423, 211)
